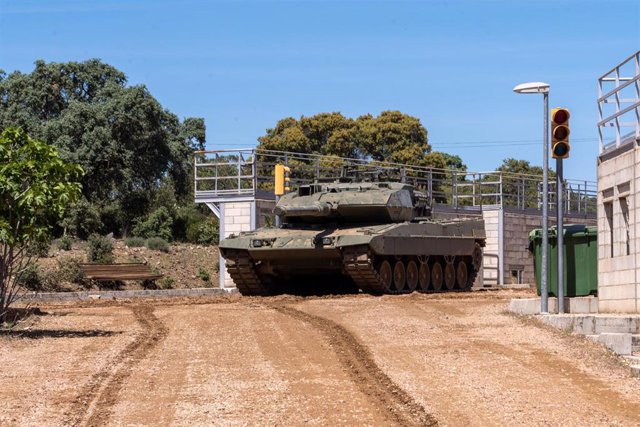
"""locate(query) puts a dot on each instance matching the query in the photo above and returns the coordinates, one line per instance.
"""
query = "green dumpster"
(580, 260)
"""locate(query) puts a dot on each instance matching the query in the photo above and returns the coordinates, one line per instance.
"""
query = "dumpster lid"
(577, 230)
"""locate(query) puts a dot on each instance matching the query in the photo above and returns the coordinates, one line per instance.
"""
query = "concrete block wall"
(237, 217)
(516, 240)
(618, 245)
(517, 226)
(491, 260)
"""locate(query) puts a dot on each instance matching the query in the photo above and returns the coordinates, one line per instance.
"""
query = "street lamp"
(543, 88)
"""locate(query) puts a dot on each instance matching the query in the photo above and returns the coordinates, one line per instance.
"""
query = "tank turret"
(368, 202)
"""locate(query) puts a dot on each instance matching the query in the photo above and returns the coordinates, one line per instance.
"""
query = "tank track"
(357, 261)
(244, 275)
(472, 278)
(359, 266)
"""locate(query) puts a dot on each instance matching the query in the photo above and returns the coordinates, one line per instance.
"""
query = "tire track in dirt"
(93, 405)
(395, 403)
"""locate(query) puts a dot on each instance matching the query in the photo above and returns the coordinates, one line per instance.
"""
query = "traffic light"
(560, 133)
(282, 179)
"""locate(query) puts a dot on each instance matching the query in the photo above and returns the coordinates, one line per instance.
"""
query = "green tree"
(36, 186)
(516, 166)
(453, 161)
(520, 182)
(392, 137)
(124, 139)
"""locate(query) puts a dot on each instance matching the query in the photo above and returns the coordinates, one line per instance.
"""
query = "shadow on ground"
(56, 333)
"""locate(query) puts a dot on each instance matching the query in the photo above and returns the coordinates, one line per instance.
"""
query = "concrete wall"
(237, 217)
(618, 246)
(493, 219)
(517, 226)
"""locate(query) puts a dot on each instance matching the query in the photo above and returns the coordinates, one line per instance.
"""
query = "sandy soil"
(355, 360)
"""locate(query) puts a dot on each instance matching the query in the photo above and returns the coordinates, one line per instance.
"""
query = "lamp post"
(543, 88)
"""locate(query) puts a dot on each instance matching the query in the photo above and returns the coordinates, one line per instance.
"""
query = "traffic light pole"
(560, 235)
(544, 290)
(278, 220)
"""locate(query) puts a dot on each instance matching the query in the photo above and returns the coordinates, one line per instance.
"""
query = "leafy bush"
(167, 283)
(208, 233)
(158, 244)
(204, 275)
(39, 248)
(64, 244)
(135, 242)
(194, 226)
(31, 278)
(100, 249)
(69, 270)
(157, 224)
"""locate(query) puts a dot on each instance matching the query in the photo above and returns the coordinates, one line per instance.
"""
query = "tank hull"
(357, 257)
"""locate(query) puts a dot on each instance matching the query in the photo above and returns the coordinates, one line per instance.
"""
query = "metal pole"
(278, 221)
(544, 290)
(560, 234)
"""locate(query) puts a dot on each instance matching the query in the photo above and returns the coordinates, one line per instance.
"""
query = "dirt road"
(355, 360)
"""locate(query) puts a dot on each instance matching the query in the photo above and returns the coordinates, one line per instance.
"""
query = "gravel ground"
(393, 360)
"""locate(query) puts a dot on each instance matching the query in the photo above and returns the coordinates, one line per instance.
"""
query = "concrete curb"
(576, 305)
(141, 293)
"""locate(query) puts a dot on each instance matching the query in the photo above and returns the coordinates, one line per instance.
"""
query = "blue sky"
(242, 65)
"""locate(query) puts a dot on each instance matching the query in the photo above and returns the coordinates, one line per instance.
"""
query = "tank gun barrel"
(317, 209)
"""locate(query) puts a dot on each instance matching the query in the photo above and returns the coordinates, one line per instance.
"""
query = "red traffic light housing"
(560, 133)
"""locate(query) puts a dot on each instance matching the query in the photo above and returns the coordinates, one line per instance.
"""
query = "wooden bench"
(125, 271)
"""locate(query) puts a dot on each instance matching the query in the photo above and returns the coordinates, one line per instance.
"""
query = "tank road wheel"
(386, 275)
(437, 275)
(412, 275)
(424, 277)
(449, 276)
(399, 276)
(462, 274)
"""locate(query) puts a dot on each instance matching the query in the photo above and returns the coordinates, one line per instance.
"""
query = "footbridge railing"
(619, 104)
(224, 175)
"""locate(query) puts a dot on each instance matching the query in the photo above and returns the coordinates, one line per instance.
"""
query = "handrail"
(623, 63)
(630, 67)
(244, 172)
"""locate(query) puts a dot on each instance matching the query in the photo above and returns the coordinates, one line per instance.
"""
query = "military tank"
(378, 237)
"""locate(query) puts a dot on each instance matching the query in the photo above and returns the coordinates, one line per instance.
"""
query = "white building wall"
(618, 255)
(492, 250)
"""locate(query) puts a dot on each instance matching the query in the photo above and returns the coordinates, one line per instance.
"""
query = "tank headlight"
(327, 241)
(256, 243)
